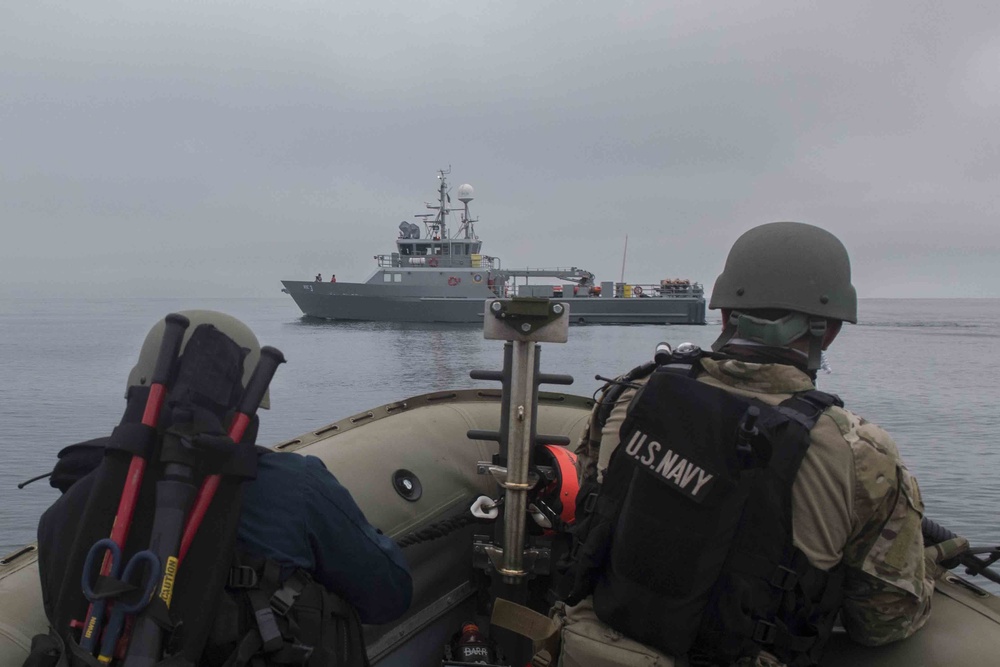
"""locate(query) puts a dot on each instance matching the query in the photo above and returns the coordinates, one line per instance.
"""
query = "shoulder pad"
(807, 406)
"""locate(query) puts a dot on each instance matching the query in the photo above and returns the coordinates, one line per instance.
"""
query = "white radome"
(465, 193)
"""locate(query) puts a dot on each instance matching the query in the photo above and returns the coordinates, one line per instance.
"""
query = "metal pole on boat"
(523, 323)
(511, 560)
(519, 430)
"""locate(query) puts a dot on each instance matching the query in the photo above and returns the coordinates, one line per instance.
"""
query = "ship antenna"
(624, 252)
(443, 201)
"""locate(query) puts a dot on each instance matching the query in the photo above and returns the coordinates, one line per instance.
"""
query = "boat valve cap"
(407, 485)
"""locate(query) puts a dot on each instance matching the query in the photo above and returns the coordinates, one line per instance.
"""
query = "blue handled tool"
(99, 595)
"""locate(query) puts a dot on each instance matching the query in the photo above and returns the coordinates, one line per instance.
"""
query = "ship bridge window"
(458, 249)
(392, 277)
(405, 248)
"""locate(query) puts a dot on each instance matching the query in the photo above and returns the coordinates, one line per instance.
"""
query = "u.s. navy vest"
(696, 514)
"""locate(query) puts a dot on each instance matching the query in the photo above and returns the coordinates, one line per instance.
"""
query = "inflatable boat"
(417, 467)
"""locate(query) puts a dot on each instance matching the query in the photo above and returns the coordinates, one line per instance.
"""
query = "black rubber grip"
(486, 375)
(552, 440)
(270, 359)
(476, 434)
(935, 533)
(170, 347)
(554, 378)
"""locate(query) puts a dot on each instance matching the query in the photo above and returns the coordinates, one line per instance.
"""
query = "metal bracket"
(527, 319)
(487, 556)
(500, 475)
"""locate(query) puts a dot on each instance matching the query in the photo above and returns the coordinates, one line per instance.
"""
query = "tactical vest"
(689, 545)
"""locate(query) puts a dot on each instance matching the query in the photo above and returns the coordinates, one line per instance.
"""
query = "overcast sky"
(214, 148)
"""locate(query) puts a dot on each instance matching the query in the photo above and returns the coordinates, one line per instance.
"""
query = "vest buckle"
(764, 632)
(784, 578)
(242, 576)
(285, 597)
(282, 601)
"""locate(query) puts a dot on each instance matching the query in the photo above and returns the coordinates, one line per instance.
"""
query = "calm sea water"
(923, 369)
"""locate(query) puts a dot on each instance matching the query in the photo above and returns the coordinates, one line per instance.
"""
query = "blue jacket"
(298, 514)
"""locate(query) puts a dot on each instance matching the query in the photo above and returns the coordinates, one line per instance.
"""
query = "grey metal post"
(519, 429)
(524, 323)
(513, 559)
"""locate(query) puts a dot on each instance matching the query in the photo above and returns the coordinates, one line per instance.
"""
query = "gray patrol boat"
(434, 276)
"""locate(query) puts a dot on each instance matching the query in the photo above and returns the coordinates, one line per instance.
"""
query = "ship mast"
(438, 227)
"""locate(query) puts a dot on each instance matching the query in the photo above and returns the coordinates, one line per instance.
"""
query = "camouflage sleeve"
(587, 447)
(887, 589)
(598, 441)
(611, 432)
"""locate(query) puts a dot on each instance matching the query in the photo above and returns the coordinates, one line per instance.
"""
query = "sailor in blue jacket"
(298, 514)
(295, 515)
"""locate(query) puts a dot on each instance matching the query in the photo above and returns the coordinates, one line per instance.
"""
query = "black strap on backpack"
(266, 622)
(791, 616)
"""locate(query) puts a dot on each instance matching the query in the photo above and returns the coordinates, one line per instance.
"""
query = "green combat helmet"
(785, 266)
(227, 324)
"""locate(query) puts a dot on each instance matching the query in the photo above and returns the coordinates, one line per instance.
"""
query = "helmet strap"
(728, 332)
(776, 333)
(817, 332)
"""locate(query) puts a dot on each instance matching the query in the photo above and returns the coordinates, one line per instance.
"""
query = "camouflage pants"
(587, 641)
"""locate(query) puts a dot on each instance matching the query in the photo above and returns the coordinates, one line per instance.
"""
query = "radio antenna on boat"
(437, 228)
(624, 252)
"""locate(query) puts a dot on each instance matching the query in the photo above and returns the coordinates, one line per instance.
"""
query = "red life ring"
(433, 261)
(637, 290)
(454, 280)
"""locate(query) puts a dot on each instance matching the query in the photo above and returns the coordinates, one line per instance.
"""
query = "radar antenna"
(437, 223)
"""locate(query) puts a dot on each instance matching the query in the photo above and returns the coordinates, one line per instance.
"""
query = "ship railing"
(398, 261)
(564, 272)
(664, 289)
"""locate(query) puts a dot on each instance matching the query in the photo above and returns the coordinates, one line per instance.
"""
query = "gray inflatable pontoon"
(426, 437)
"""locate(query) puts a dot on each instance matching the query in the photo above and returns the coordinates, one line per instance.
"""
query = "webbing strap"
(268, 632)
(806, 407)
(777, 634)
(270, 611)
(134, 438)
(614, 390)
